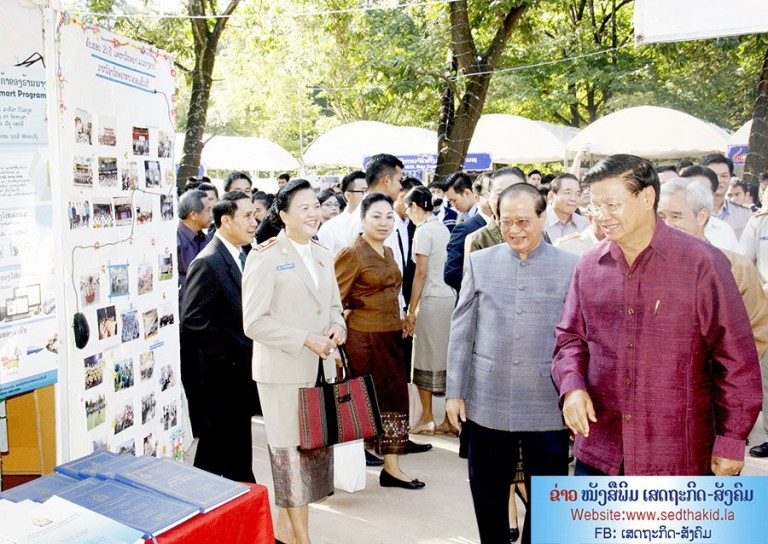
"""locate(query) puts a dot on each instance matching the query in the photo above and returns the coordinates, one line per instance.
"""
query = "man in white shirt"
(561, 217)
(733, 214)
(338, 231)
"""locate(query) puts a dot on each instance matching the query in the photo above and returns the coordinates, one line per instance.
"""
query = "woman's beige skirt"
(300, 476)
(430, 343)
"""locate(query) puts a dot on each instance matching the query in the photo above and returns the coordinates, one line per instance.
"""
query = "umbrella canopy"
(741, 136)
(513, 139)
(241, 153)
(650, 132)
(348, 144)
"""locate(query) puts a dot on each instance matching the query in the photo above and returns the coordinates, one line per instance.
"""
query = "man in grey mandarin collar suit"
(499, 389)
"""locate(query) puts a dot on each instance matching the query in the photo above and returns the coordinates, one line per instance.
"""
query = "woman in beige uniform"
(292, 311)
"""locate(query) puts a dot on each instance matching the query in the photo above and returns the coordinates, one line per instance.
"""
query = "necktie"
(242, 260)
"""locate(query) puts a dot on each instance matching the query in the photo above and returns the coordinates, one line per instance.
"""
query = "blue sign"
(474, 162)
(738, 153)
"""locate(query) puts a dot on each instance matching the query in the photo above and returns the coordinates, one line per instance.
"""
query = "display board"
(118, 241)
(28, 327)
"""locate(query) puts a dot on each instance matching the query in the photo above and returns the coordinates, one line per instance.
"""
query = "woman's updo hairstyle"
(283, 200)
(421, 196)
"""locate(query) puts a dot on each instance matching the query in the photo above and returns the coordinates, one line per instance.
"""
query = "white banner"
(116, 129)
(28, 327)
(678, 20)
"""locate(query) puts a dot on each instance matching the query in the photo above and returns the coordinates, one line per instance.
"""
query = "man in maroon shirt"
(654, 355)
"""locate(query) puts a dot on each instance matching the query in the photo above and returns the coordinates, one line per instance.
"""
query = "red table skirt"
(245, 520)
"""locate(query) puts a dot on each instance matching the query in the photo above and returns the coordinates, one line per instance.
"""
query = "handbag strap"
(320, 380)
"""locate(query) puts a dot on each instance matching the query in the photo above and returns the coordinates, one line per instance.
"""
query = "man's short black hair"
(717, 158)
(227, 205)
(380, 166)
(459, 182)
(235, 176)
(348, 181)
(637, 173)
(700, 170)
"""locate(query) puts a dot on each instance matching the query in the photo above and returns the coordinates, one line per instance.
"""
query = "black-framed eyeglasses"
(361, 191)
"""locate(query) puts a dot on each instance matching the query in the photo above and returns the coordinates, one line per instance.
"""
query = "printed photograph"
(83, 127)
(164, 145)
(148, 405)
(166, 207)
(83, 172)
(165, 266)
(147, 365)
(130, 175)
(123, 417)
(107, 320)
(152, 176)
(145, 278)
(99, 444)
(150, 445)
(124, 374)
(167, 377)
(130, 319)
(166, 314)
(169, 416)
(79, 214)
(95, 411)
(150, 323)
(140, 141)
(123, 210)
(128, 447)
(107, 134)
(144, 207)
(108, 171)
(118, 280)
(94, 370)
(90, 289)
(102, 213)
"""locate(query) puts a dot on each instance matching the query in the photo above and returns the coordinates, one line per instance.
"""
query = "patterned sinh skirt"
(301, 476)
(430, 343)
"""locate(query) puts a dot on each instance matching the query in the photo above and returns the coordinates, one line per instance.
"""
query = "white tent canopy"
(741, 136)
(650, 132)
(512, 139)
(348, 144)
(241, 153)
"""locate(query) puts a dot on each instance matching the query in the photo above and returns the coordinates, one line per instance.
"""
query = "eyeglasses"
(329, 204)
(361, 191)
(609, 209)
(522, 224)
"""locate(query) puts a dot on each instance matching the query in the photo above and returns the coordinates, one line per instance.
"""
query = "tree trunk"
(757, 158)
(206, 41)
(457, 121)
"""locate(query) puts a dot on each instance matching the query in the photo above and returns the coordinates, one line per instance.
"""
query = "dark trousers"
(493, 457)
(225, 448)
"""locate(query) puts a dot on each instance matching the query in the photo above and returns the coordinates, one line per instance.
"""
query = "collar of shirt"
(473, 211)
(305, 252)
(658, 244)
(233, 250)
(487, 218)
(187, 232)
(554, 219)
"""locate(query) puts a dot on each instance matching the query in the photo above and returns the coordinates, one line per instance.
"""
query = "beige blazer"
(281, 306)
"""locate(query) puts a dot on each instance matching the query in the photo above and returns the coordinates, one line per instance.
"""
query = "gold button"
(631, 311)
(629, 345)
(628, 380)
(627, 417)
(631, 276)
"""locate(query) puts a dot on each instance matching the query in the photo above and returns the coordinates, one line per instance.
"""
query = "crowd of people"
(536, 304)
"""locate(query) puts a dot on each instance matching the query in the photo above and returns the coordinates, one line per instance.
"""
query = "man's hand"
(578, 411)
(456, 412)
(337, 333)
(726, 467)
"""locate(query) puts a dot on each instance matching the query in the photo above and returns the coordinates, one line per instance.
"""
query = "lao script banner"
(670, 510)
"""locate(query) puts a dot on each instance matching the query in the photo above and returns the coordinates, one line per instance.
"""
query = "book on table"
(39, 489)
(107, 469)
(151, 513)
(183, 482)
(56, 521)
(74, 467)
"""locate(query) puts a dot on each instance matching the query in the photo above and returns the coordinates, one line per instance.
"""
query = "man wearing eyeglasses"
(499, 389)
(655, 358)
(338, 231)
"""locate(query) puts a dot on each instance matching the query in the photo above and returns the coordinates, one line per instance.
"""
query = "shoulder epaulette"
(319, 243)
(760, 213)
(265, 244)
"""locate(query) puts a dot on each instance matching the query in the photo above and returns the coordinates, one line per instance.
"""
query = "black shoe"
(387, 480)
(372, 461)
(413, 447)
(514, 534)
(759, 451)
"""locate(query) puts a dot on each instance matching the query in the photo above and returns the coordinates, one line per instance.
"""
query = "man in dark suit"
(458, 190)
(215, 352)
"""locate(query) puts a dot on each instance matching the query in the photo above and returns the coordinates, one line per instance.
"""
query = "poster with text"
(115, 105)
(29, 341)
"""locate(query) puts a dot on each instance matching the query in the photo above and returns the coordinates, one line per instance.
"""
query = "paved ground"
(439, 513)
